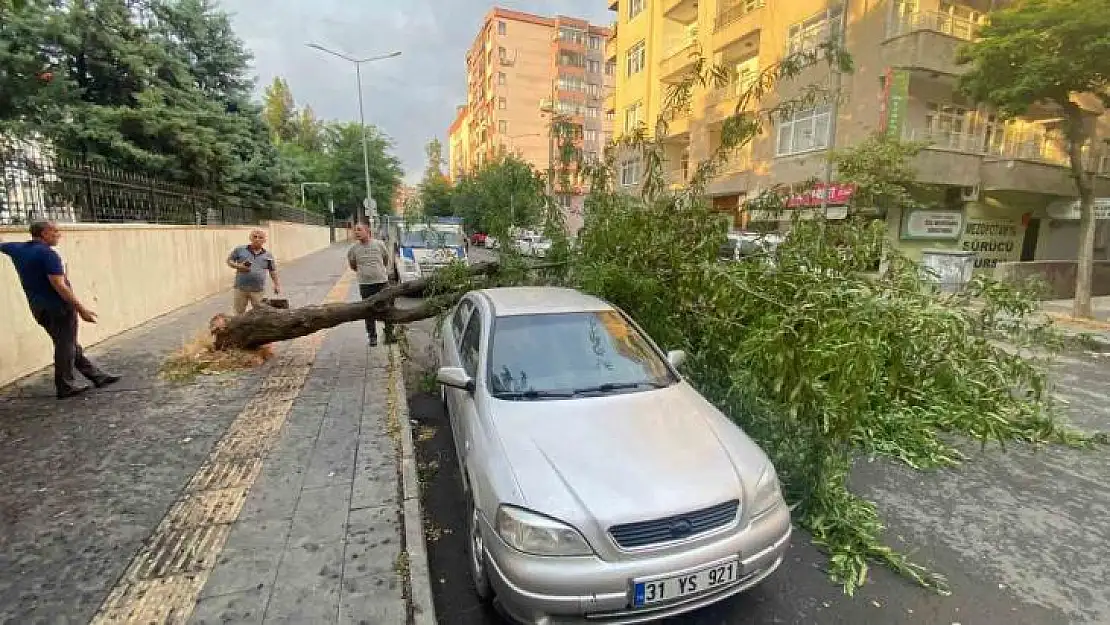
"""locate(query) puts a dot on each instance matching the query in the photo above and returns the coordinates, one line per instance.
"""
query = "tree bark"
(268, 325)
(1076, 129)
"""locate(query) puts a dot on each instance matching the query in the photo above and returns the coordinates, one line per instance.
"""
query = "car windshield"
(431, 238)
(572, 354)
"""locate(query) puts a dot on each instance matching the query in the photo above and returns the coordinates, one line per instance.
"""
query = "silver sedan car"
(602, 487)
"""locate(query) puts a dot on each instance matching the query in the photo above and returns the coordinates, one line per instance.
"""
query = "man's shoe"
(106, 380)
(373, 341)
(73, 392)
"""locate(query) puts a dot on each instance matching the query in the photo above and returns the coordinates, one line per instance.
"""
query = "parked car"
(744, 245)
(601, 486)
(532, 245)
(478, 238)
(491, 243)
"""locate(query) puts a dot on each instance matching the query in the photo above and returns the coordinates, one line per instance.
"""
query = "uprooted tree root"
(199, 357)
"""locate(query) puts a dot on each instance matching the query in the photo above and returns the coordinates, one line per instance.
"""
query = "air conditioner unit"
(969, 194)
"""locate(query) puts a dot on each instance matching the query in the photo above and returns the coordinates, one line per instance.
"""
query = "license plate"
(667, 589)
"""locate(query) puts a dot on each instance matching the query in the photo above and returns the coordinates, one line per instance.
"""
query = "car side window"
(462, 313)
(468, 347)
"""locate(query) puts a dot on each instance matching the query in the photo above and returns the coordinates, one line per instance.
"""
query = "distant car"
(744, 245)
(490, 243)
(478, 238)
(600, 486)
(532, 245)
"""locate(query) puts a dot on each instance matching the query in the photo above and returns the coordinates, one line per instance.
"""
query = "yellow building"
(518, 65)
(458, 144)
(1008, 191)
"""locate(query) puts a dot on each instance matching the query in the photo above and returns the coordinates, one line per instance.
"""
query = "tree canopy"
(164, 88)
(1049, 53)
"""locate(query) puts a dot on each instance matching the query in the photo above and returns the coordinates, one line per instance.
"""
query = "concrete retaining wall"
(1058, 274)
(130, 274)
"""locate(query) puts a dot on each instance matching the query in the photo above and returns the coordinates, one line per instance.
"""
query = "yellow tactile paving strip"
(163, 581)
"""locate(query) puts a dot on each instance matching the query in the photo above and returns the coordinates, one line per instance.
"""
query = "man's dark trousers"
(367, 290)
(61, 325)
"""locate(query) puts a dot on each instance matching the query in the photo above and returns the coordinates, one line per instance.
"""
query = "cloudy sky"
(411, 97)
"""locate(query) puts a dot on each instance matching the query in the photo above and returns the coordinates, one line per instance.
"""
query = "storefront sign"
(1069, 210)
(838, 195)
(896, 96)
(993, 241)
(934, 225)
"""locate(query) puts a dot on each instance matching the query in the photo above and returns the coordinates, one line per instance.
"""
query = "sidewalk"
(265, 496)
(1096, 331)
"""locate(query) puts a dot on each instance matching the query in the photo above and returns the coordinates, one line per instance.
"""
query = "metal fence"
(37, 183)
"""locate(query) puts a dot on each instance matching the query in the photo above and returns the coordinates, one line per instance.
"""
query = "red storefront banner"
(838, 195)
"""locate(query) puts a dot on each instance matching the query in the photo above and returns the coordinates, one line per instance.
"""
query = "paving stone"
(373, 541)
(321, 515)
(238, 608)
(274, 495)
(307, 587)
(244, 569)
(373, 600)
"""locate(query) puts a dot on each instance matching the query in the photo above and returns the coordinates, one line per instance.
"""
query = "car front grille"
(677, 527)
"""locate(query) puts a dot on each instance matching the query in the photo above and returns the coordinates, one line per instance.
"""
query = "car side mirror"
(455, 377)
(676, 357)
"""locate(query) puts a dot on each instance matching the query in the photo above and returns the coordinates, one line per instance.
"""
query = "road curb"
(420, 579)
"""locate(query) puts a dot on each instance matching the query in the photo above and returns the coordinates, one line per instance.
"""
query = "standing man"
(369, 257)
(54, 306)
(252, 262)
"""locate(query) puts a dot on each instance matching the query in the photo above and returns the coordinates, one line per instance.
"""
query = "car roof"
(537, 300)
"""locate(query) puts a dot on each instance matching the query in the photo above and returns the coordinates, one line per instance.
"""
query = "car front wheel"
(476, 545)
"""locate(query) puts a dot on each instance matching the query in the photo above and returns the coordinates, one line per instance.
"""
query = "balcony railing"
(735, 12)
(1022, 145)
(936, 21)
(677, 45)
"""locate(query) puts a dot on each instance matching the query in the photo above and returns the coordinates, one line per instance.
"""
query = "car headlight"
(768, 492)
(538, 535)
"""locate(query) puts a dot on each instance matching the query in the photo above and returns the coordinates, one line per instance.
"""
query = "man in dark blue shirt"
(55, 307)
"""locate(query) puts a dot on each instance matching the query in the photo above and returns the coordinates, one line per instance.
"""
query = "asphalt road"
(1021, 536)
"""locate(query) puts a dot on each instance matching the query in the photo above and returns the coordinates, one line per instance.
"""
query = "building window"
(630, 172)
(808, 35)
(564, 201)
(501, 78)
(591, 135)
(803, 131)
(637, 58)
(610, 116)
(592, 90)
(594, 67)
(572, 35)
(502, 104)
(571, 59)
(592, 112)
(570, 83)
(502, 54)
(610, 68)
(502, 28)
(595, 42)
(632, 118)
(635, 7)
(502, 126)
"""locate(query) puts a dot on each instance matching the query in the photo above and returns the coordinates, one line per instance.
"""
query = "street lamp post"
(368, 202)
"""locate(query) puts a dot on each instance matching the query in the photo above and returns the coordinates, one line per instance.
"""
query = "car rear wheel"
(476, 545)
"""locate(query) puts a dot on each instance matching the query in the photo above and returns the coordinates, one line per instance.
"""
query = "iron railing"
(39, 183)
(936, 21)
(734, 12)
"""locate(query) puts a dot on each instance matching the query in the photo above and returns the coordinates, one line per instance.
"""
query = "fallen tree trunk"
(268, 325)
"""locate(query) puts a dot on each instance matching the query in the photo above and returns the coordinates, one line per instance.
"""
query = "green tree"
(1049, 52)
(435, 188)
(344, 168)
(279, 110)
(502, 193)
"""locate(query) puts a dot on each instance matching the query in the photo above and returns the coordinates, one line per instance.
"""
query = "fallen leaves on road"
(199, 357)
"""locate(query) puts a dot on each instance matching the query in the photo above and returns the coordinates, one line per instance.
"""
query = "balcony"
(735, 22)
(928, 40)
(678, 121)
(1006, 160)
(721, 102)
(685, 11)
(678, 56)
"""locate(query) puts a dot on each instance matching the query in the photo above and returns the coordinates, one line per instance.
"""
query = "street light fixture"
(368, 203)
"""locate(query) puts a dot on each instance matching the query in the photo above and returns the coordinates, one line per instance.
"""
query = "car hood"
(622, 458)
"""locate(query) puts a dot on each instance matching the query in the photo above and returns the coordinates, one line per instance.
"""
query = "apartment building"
(520, 68)
(1008, 194)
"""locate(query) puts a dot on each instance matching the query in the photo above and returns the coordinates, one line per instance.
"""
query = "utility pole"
(368, 201)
